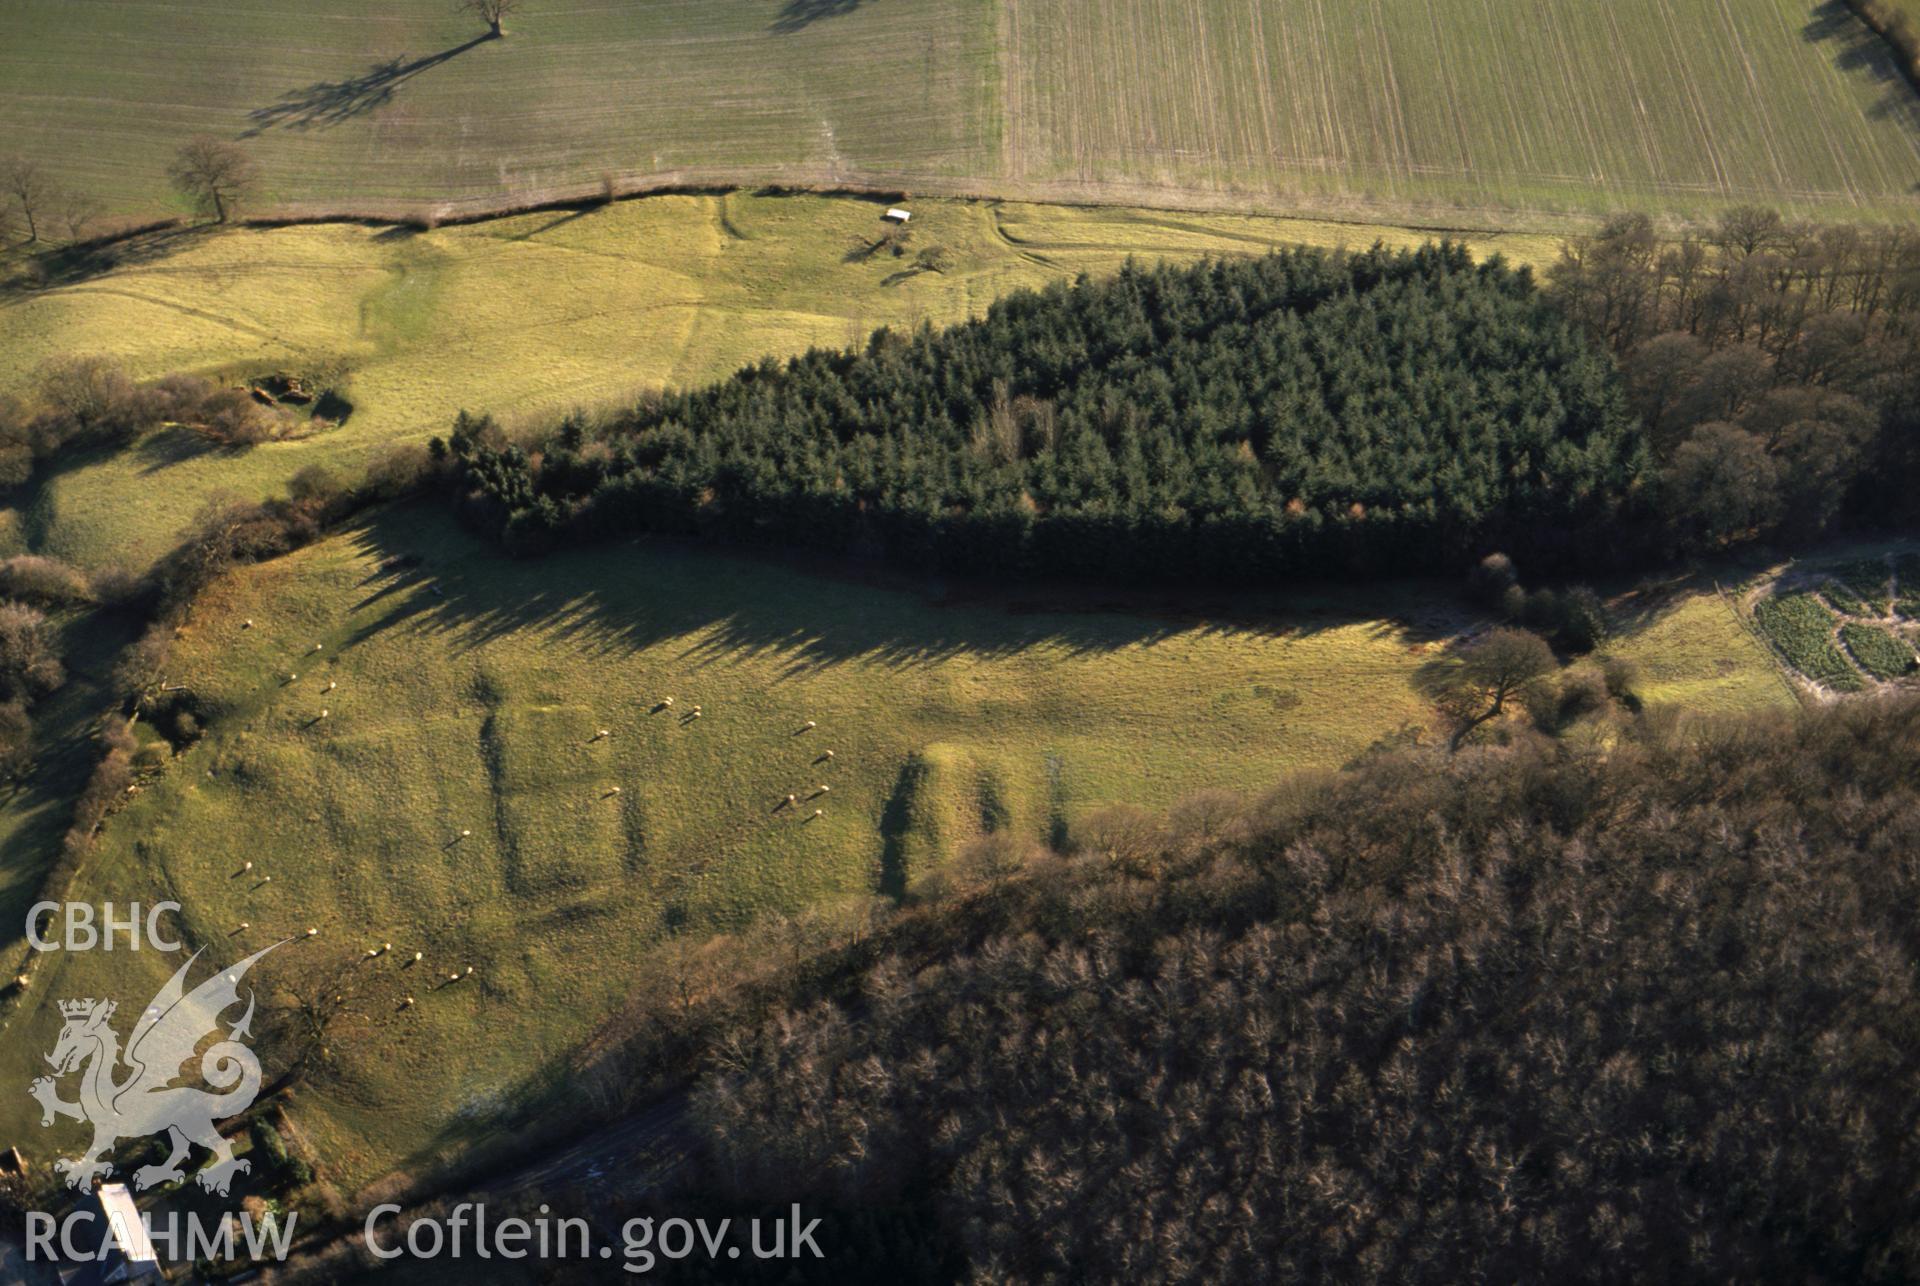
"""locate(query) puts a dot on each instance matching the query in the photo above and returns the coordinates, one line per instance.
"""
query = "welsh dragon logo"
(143, 1099)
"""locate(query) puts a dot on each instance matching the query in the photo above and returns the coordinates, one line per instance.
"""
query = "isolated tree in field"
(492, 12)
(214, 173)
(30, 188)
(76, 212)
(1493, 671)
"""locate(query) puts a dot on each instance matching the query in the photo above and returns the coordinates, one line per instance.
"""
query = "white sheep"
(811, 725)
(246, 866)
(325, 712)
(614, 791)
(819, 812)
(464, 833)
(827, 755)
(792, 800)
(407, 1003)
(247, 624)
(667, 702)
(601, 735)
(245, 925)
(418, 956)
(332, 684)
(313, 933)
(822, 789)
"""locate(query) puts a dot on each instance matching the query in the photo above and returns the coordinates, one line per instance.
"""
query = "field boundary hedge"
(1896, 31)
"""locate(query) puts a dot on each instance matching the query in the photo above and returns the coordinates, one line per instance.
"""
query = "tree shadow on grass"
(722, 606)
(797, 15)
(164, 448)
(327, 103)
(70, 265)
(1857, 51)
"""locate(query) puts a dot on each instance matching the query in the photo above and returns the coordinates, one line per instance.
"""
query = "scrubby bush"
(30, 664)
(37, 578)
(1491, 578)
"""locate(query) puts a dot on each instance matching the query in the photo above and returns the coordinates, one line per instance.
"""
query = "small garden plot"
(1906, 570)
(1802, 628)
(1860, 588)
(1878, 652)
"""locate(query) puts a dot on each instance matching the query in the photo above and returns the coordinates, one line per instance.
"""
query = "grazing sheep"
(811, 725)
(453, 977)
(245, 925)
(418, 956)
(695, 714)
(313, 933)
(324, 713)
(246, 866)
(614, 791)
(822, 789)
(819, 812)
(407, 1003)
(266, 879)
(601, 735)
(667, 702)
(332, 684)
(827, 754)
(247, 624)
(793, 799)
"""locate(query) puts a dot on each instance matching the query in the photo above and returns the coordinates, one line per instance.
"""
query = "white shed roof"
(899, 215)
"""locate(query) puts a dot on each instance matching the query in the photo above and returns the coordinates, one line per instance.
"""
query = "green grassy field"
(1445, 110)
(531, 316)
(470, 694)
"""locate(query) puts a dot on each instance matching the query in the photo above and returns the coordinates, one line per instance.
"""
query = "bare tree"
(214, 173)
(28, 185)
(492, 12)
(77, 212)
(1493, 671)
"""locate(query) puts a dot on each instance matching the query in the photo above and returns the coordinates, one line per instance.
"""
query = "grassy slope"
(533, 315)
(1428, 109)
(476, 709)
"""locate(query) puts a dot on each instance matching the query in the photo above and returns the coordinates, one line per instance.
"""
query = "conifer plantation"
(1303, 413)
